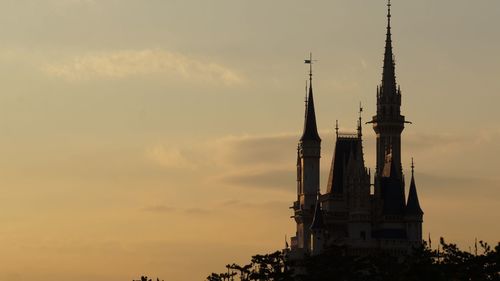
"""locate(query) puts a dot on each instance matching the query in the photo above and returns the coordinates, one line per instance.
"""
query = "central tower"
(388, 123)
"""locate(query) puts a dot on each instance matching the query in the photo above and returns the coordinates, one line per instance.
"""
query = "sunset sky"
(158, 136)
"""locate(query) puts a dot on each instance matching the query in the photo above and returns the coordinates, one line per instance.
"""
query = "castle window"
(363, 235)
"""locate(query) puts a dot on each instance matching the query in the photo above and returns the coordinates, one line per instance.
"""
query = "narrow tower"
(308, 166)
(413, 213)
(388, 123)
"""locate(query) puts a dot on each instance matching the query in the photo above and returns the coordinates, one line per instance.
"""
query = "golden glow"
(159, 138)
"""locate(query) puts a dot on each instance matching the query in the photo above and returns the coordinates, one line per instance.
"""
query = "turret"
(309, 151)
(413, 212)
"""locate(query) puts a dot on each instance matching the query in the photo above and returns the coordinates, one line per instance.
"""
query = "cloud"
(167, 209)
(227, 153)
(269, 205)
(160, 209)
(197, 211)
(220, 208)
(437, 142)
(251, 151)
(169, 157)
(73, 2)
(274, 179)
(457, 182)
(457, 186)
(267, 162)
(124, 64)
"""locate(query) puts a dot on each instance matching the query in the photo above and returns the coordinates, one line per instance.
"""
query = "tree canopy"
(446, 263)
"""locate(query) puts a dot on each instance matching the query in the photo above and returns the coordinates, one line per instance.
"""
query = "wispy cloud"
(170, 157)
(168, 209)
(227, 153)
(266, 206)
(197, 211)
(124, 64)
(267, 161)
(160, 209)
(270, 179)
(259, 150)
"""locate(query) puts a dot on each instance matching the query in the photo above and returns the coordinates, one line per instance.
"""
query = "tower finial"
(310, 67)
(389, 11)
(412, 167)
(337, 128)
(310, 127)
(310, 62)
(305, 102)
(389, 5)
(360, 120)
(305, 99)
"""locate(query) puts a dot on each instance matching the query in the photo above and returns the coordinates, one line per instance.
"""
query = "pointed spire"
(310, 127)
(360, 133)
(337, 128)
(318, 222)
(389, 73)
(413, 206)
(305, 101)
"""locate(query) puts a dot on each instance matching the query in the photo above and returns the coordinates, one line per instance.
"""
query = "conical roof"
(389, 72)
(413, 206)
(310, 127)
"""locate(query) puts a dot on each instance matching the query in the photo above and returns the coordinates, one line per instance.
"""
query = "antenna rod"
(360, 120)
(306, 94)
(412, 167)
(389, 11)
(337, 128)
(310, 62)
(310, 67)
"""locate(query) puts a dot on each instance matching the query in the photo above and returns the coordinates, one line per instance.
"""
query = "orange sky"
(158, 137)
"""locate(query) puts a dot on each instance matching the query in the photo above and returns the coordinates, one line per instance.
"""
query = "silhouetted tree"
(423, 263)
(262, 267)
(145, 278)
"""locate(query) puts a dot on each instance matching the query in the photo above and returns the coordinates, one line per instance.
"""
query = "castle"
(351, 213)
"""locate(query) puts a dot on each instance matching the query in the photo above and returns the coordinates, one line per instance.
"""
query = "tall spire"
(388, 123)
(413, 206)
(310, 127)
(337, 128)
(360, 133)
(389, 74)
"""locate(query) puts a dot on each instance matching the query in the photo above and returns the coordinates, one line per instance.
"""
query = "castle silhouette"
(351, 213)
